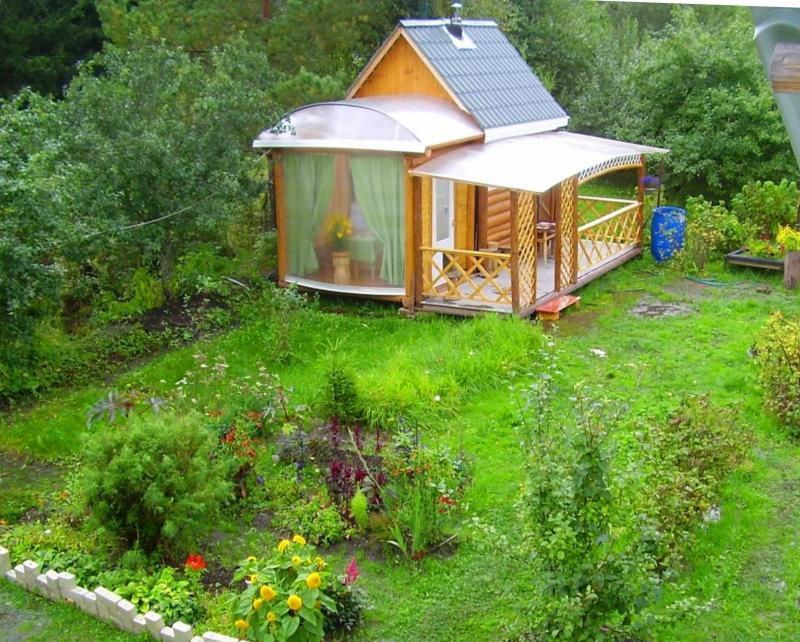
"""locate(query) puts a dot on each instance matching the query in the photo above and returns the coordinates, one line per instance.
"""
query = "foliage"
(316, 516)
(285, 592)
(152, 482)
(765, 248)
(165, 592)
(778, 355)
(687, 458)
(340, 398)
(789, 239)
(592, 576)
(767, 205)
(711, 232)
(359, 509)
(41, 40)
(423, 496)
(350, 606)
(698, 89)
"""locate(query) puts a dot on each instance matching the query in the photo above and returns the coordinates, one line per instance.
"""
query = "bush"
(593, 577)
(711, 232)
(153, 482)
(767, 205)
(686, 459)
(316, 516)
(778, 355)
(350, 606)
(340, 398)
(165, 592)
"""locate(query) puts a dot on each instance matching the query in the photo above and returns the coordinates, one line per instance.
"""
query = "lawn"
(743, 571)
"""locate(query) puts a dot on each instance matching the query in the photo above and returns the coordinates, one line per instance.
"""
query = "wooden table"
(545, 239)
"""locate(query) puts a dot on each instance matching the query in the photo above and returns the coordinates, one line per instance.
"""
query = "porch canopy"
(408, 123)
(534, 163)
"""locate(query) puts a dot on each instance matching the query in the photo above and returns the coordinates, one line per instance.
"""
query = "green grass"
(746, 567)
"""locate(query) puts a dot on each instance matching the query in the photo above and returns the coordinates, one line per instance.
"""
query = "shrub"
(778, 355)
(340, 398)
(711, 232)
(350, 606)
(284, 596)
(153, 483)
(767, 205)
(789, 239)
(592, 576)
(316, 516)
(359, 509)
(686, 458)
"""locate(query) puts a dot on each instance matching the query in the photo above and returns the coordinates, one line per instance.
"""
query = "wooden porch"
(592, 236)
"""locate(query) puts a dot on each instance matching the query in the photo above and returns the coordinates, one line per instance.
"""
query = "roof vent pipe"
(454, 27)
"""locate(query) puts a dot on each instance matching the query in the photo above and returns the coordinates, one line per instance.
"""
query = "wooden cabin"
(445, 181)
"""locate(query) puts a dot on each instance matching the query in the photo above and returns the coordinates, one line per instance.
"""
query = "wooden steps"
(551, 311)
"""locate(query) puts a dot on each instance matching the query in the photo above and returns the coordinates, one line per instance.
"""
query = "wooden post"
(482, 217)
(791, 270)
(411, 252)
(575, 240)
(416, 191)
(280, 218)
(515, 306)
(784, 68)
(640, 198)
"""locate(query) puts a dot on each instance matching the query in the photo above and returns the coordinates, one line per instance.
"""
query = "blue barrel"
(667, 232)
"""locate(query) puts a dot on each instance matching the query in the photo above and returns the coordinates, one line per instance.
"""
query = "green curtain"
(378, 181)
(308, 186)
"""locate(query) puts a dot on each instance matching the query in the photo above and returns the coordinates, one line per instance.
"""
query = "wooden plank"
(280, 217)
(552, 309)
(402, 69)
(640, 198)
(515, 306)
(784, 68)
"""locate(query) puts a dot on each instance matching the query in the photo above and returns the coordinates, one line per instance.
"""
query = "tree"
(41, 40)
(166, 138)
(700, 91)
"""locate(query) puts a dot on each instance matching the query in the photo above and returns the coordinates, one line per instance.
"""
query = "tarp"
(533, 163)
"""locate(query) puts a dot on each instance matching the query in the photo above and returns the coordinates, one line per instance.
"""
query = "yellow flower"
(321, 563)
(268, 593)
(299, 539)
(253, 579)
(257, 603)
(296, 560)
(242, 625)
(272, 616)
(283, 545)
(295, 602)
(313, 581)
(251, 559)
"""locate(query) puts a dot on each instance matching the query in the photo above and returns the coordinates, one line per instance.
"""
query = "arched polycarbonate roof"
(408, 123)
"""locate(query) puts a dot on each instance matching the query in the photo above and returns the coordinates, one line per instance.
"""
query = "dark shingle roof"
(492, 80)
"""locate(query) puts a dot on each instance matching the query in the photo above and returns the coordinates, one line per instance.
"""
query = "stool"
(545, 236)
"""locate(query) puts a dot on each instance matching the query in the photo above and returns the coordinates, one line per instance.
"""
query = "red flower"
(195, 562)
(351, 573)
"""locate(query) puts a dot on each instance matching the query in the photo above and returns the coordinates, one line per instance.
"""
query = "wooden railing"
(608, 234)
(591, 208)
(465, 275)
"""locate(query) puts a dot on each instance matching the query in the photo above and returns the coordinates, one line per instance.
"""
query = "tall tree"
(41, 40)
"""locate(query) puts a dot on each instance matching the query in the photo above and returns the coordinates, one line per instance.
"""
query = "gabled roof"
(484, 73)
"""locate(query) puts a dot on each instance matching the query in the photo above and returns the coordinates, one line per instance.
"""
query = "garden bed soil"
(740, 257)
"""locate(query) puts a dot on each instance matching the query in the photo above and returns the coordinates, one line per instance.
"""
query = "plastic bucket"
(668, 230)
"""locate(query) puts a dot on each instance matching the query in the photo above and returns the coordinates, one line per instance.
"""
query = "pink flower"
(351, 573)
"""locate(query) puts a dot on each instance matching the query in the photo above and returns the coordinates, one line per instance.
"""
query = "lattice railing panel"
(568, 236)
(611, 165)
(608, 235)
(590, 208)
(455, 275)
(526, 248)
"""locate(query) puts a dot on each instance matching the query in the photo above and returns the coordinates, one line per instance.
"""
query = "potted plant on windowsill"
(789, 239)
(339, 229)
